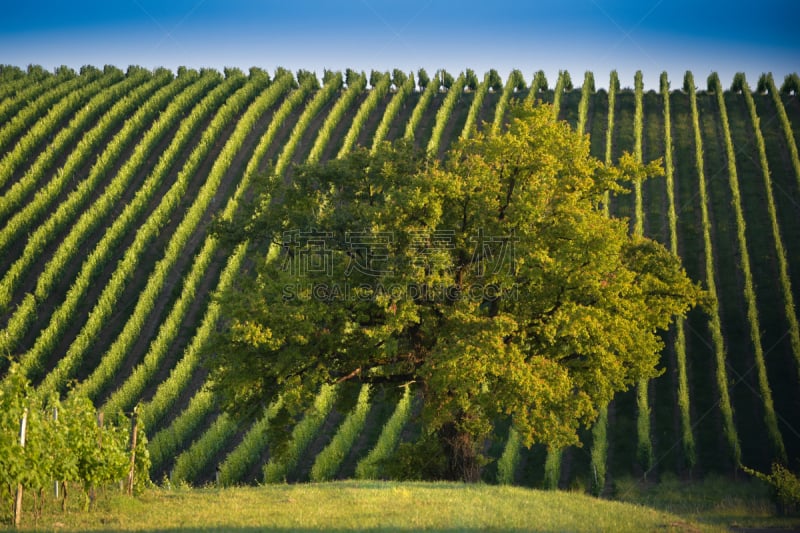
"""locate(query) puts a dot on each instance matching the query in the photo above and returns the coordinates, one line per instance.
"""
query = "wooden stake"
(134, 434)
(55, 483)
(23, 429)
(92, 491)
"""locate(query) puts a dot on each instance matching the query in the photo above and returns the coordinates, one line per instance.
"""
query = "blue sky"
(596, 35)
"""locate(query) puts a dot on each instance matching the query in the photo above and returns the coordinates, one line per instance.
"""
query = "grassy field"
(381, 506)
(719, 501)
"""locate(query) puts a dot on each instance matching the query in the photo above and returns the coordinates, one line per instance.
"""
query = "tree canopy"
(495, 81)
(447, 80)
(471, 80)
(492, 281)
(423, 79)
(398, 77)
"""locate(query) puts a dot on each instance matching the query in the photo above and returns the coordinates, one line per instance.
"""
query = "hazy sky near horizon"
(596, 35)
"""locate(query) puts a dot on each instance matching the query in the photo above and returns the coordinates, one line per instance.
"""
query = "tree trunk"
(463, 460)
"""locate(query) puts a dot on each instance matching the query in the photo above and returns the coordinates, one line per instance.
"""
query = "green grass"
(373, 506)
(715, 500)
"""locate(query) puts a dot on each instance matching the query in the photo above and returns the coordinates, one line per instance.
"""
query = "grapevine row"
(419, 109)
(330, 459)
(474, 108)
(279, 467)
(787, 127)
(714, 324)
(444, 112)
(322, 97)
(376, 94)
(687, 437)
(599, 453)
(166, 444)
(795, 158)
(563, 84)
(369, 467)
(46, 440)
(644, 446)
(391, 111)
(236, 464)
(514, 82)
(538, 84)
(509, 459)
(780, 251)
(583, 107)
(770, 418)
(333, 118)
(613, 89)
(638, 129)
(193, 460)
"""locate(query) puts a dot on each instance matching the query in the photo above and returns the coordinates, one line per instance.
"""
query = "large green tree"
(493, 282)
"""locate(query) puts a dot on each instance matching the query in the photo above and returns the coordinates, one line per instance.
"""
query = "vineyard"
(110, 179)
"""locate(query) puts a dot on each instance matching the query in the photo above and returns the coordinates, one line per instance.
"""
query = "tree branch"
(349, 376)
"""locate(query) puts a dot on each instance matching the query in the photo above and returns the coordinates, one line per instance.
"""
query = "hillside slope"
(108, 181)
